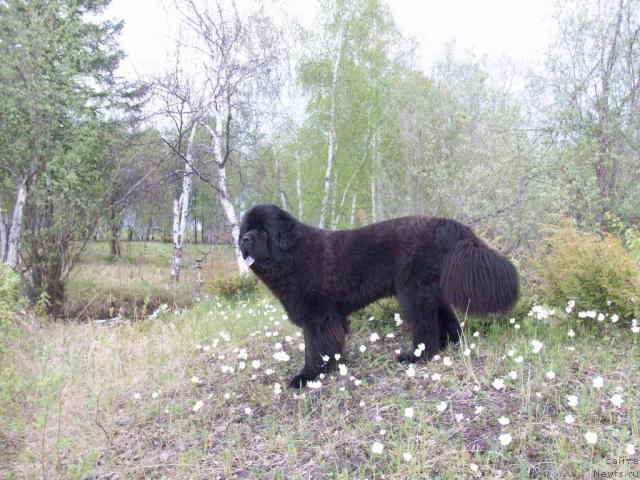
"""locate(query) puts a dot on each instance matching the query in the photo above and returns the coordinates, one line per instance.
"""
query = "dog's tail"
(474, 277)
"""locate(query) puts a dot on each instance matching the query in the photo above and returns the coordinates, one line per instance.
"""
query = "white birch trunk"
(299, 183)
(352, 219)
(283, 197)
(374, 207)
(230, 213)
(4, 232)
(15, 230)
(223, 193)
(332, 133)
(181, 210)
(334, 217)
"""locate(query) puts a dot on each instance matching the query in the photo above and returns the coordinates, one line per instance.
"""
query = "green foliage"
(64, 134)
(594, 270)
(10, 380)
(233, 286)
(9, 289)
(378, 316)
(630, 235)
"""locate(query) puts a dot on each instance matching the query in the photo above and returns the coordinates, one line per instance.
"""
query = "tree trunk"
(195, 218)
(332, 132)
(223, 193)
(181, 210)
(15, 230)
(333, 217)
(276, 164)
(374, 217)
(299, 183)
(4, 232)
(230, 213)
(116, 232)
(352, 220)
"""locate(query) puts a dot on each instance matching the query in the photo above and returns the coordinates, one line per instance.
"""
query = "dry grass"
(89, 408)
(138, 282)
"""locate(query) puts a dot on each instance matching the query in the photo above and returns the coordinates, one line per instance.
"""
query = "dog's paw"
(410, 357)
(299, 381)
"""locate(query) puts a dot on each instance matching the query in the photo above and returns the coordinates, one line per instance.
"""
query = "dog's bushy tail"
(476, 278)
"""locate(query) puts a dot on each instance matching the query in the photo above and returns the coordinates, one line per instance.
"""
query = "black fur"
(321, 276)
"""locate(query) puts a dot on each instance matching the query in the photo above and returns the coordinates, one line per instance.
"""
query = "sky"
(517, 29)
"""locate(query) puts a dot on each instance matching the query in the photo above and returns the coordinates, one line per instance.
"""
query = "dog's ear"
(288, 234)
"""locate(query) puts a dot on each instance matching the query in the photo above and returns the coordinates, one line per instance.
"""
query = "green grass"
(138, 281)
(86, 406)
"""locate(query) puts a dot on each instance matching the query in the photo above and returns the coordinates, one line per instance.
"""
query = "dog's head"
(268, 235)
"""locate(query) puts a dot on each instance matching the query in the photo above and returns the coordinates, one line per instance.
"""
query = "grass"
(122, 401)
(138, 281)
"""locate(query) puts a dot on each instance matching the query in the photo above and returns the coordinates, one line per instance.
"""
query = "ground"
(201, 393)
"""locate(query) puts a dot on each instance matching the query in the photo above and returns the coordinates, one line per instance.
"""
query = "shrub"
(9, 285)
(594, 270)
(233, 285)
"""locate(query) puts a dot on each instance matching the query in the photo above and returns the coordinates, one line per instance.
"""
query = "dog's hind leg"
(419, 305)
(449, 326)
(322, 340)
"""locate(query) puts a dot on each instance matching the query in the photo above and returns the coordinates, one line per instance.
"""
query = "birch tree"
(181, 208)
(331, 130)
(238, 59)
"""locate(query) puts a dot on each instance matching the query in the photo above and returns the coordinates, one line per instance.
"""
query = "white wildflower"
(617, 400)
(591, 438)
(536, 345)
(281, 356)
(377, 448)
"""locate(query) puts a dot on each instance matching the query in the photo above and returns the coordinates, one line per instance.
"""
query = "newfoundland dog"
(321, 276)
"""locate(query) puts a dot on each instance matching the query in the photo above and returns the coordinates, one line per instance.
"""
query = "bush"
(594, 270)
(378, 316)
(9, 285)
(233, 285)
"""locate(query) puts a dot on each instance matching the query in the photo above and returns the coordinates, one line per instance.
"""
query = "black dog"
(321, 276)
